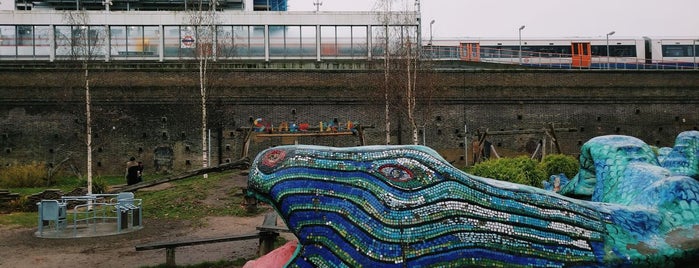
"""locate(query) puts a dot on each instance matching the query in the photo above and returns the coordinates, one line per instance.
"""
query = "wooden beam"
(193, 242)
(530, 131)
(239, 164)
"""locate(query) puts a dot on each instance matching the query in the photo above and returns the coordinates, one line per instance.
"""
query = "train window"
(614, 50)
(677, 51)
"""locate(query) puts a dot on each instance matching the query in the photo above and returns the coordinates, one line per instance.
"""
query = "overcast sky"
(543, 18)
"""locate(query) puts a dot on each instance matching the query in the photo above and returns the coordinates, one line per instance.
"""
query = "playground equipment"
(91, 215)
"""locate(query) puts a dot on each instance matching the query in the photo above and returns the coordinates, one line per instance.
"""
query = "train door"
(582, 56)
(470, 51)
(649, 50)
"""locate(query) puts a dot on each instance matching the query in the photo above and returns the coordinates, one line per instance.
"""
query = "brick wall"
(154, 114)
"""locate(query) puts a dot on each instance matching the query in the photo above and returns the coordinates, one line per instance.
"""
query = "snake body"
(405, 206)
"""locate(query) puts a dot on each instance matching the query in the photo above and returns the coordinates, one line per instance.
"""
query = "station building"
(149, 30)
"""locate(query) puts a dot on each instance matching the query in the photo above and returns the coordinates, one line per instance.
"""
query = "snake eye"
(272, 158)
(396, 173)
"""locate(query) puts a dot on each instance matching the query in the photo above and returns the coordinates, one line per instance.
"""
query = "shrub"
(522, 170)
(23, 175)
(555, 164)
(99, 185)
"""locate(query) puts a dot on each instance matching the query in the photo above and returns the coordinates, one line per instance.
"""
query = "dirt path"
(19, 247)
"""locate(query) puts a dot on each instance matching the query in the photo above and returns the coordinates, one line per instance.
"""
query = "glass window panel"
(151, 38)
(344, 41)
(378, 40)
(80, 41)
(96, 42)
(328, 41)
(134, 41)
(25, 35)
(204, 41)
(241, 41)
(677, 51)
(277, 40)
(171, 46)
(42, 42)
(395, 39)
(63, 37)
(8, 40)
(308, 41)
(359, 41)
(257, 41)
(224, 41)
(118, 40)
(293, 41)
(408, 42)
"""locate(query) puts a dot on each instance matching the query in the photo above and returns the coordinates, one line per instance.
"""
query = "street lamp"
(520, 44)
(317, 3)
(610, 33)
(107, 4)
(694, 53)
(431, 22)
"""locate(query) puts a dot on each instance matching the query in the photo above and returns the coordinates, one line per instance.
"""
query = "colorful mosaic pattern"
(405, 206)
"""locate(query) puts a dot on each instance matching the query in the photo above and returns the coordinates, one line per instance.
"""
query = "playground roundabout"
(21, 248)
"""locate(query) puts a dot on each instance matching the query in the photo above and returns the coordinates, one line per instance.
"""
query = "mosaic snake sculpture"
(405, 206)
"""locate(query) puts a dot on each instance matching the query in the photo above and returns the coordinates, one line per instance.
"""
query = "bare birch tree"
(204, 20)
(86, 42)
(401, 64)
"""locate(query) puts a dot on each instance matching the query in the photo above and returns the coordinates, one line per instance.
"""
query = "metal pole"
(694, 54)
(431, 22)
(466, 144)
(610, 33)
(419, 25)
(520, 44)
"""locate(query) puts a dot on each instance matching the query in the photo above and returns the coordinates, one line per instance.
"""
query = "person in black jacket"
(132, 171)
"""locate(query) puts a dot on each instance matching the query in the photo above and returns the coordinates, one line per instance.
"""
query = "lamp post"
(694, 53)
(610, 33)
(520, 44)
(107, 4)
(431, 22)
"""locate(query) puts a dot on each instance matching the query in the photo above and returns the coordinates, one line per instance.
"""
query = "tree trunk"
(88, 128)
(202, 86)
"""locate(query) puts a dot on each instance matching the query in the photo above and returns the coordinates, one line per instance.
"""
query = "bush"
(25, 175)
(99, 185)
(522, 170)
(555, 164)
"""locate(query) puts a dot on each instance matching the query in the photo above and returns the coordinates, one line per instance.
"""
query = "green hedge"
(23, 175)
(524, 170)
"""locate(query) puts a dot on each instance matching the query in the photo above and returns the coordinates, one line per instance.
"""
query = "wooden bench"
(267, 233)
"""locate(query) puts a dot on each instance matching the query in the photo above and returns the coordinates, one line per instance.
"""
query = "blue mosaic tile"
(405, 206)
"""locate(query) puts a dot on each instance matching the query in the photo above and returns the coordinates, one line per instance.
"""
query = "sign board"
(188, 40)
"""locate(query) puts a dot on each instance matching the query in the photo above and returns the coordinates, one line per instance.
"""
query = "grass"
(184, 201)
(20, 219)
